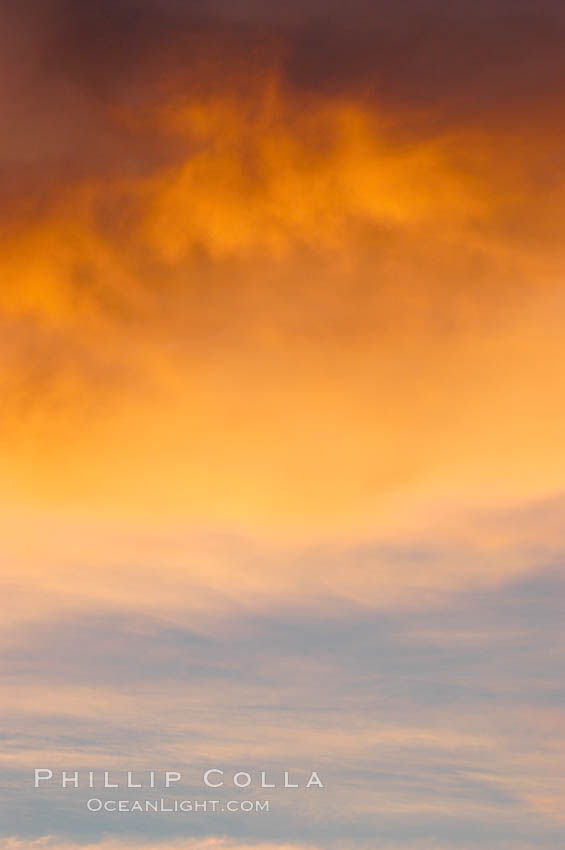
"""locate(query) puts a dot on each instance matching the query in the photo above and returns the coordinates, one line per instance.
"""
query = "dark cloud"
(68, 67)
(416, 49)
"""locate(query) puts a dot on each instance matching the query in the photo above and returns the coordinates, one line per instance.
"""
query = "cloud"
(281, 366)
(427, 724)
(53, 843)
(259, 304)
(175, 572)
(144, 315)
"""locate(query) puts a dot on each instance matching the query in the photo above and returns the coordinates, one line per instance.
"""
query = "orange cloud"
(53, 843)
(307, 324)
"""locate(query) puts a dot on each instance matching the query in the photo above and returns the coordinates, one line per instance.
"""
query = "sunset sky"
(282, 468)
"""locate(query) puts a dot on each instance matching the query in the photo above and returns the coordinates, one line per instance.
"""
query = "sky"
(281, 457)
